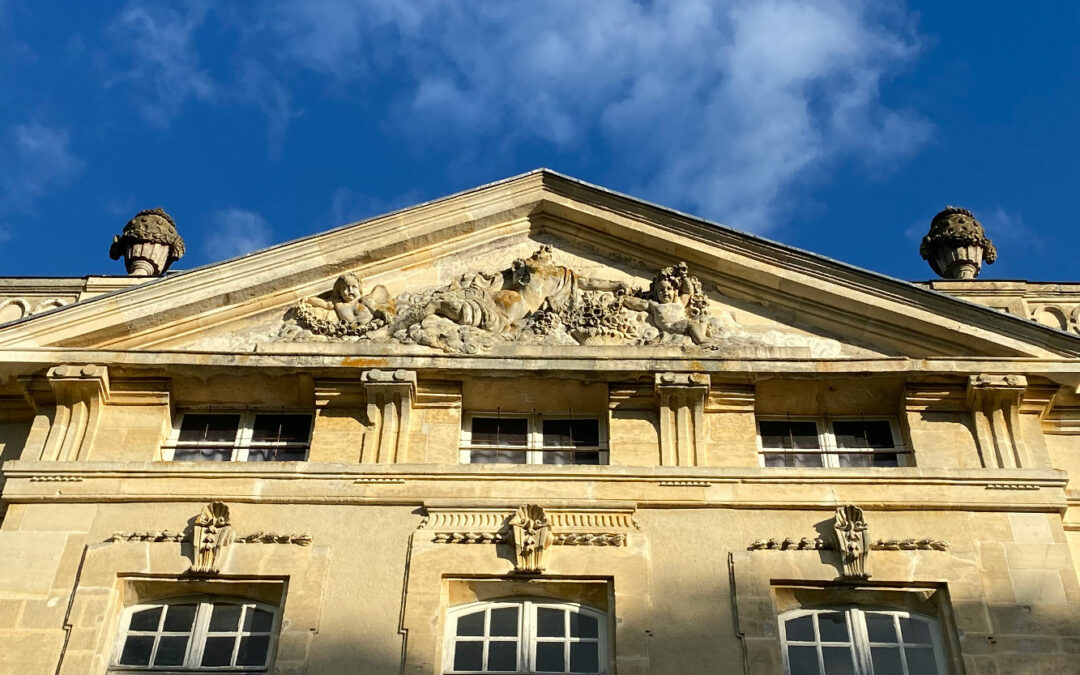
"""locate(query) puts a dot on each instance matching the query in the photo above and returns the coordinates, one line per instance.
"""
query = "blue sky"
(840, 127)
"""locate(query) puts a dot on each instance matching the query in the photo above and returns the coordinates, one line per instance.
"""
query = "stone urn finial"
(956, 245)
(149, 244)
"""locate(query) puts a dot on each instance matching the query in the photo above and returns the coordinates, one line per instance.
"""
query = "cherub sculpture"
(348, 310)
(675, 303)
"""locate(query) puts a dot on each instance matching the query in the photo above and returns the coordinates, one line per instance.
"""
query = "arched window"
(208, 633)
(855, 641)
(526, 636)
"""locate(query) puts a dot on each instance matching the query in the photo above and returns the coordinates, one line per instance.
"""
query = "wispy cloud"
(232, 232)
(714, 106)
(155, 57)
(39, 158)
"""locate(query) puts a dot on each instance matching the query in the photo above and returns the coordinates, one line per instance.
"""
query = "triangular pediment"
(545, 266)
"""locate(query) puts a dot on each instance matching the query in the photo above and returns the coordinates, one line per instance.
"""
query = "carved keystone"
(531, 530)
(390, 396)
(995, 408)
(852, 541)
(80, 393)
(681, 399)
(211, 535)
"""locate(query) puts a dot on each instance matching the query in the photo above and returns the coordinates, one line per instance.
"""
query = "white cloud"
(233, 232)
(156, 58)
(39, 158)
(720, 107)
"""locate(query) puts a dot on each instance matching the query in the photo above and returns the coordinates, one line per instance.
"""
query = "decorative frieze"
(530, 529)
(851, 539)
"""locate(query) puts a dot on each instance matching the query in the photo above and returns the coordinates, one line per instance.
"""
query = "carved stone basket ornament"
(956, 245)
(149, 244)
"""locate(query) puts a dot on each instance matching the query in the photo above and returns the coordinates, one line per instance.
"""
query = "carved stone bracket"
(995, 401)
(81, 392)
(851, 538)
(531, 529)
(390, 396)
(681, 400)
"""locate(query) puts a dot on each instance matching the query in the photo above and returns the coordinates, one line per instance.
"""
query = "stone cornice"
(613, 487)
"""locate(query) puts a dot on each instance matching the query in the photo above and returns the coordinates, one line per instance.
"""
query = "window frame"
(527, 633)
(242, 445)
(197, 636)
(860, 639)
(534, 447)
(827, 448)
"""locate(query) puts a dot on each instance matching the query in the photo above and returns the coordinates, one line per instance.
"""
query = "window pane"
(803, 660)
(583, 625)
(218, 651)
(146, 619)
(921, 660)
(209, 427)
(284, 428)
(880, 627)
(226, 617)
(860, 434)
(497, 457)
(253, 650)
(179, 618)
(855, 459)
(885, 459)
(800, 629)
(584, 657)
(500, 431)
(471, 624)
(502, 656)
(469, 656)
(833, 626)
(202, 454)
(550, 622)
(171, 651)
(793, 459)
(790, 435)
(277, 454)
(258, 620)
(915, 631)
(887, 661)
(504, 622)
(571, 433)
(550, 657)
(137, 650)
(838, 661)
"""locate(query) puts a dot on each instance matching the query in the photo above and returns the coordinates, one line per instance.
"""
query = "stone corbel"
(681, 399)
(390, 396)
(995, 401)
(80, 392)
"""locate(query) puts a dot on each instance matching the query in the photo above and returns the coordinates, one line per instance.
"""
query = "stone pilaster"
(390, 396)
(81, 392)
(681, 399)
(995, 408)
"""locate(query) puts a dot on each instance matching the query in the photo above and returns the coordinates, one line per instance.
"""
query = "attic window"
(496, 438)
(843, 442)
(240, 437)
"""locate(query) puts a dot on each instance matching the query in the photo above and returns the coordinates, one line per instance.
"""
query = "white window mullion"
(243, 437)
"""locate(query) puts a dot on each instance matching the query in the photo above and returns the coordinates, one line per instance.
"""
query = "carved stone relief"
(851, 539)
(211, 535)
(530, 529)
(534, 301)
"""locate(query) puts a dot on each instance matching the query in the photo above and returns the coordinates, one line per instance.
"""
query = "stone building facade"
(538, 427)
